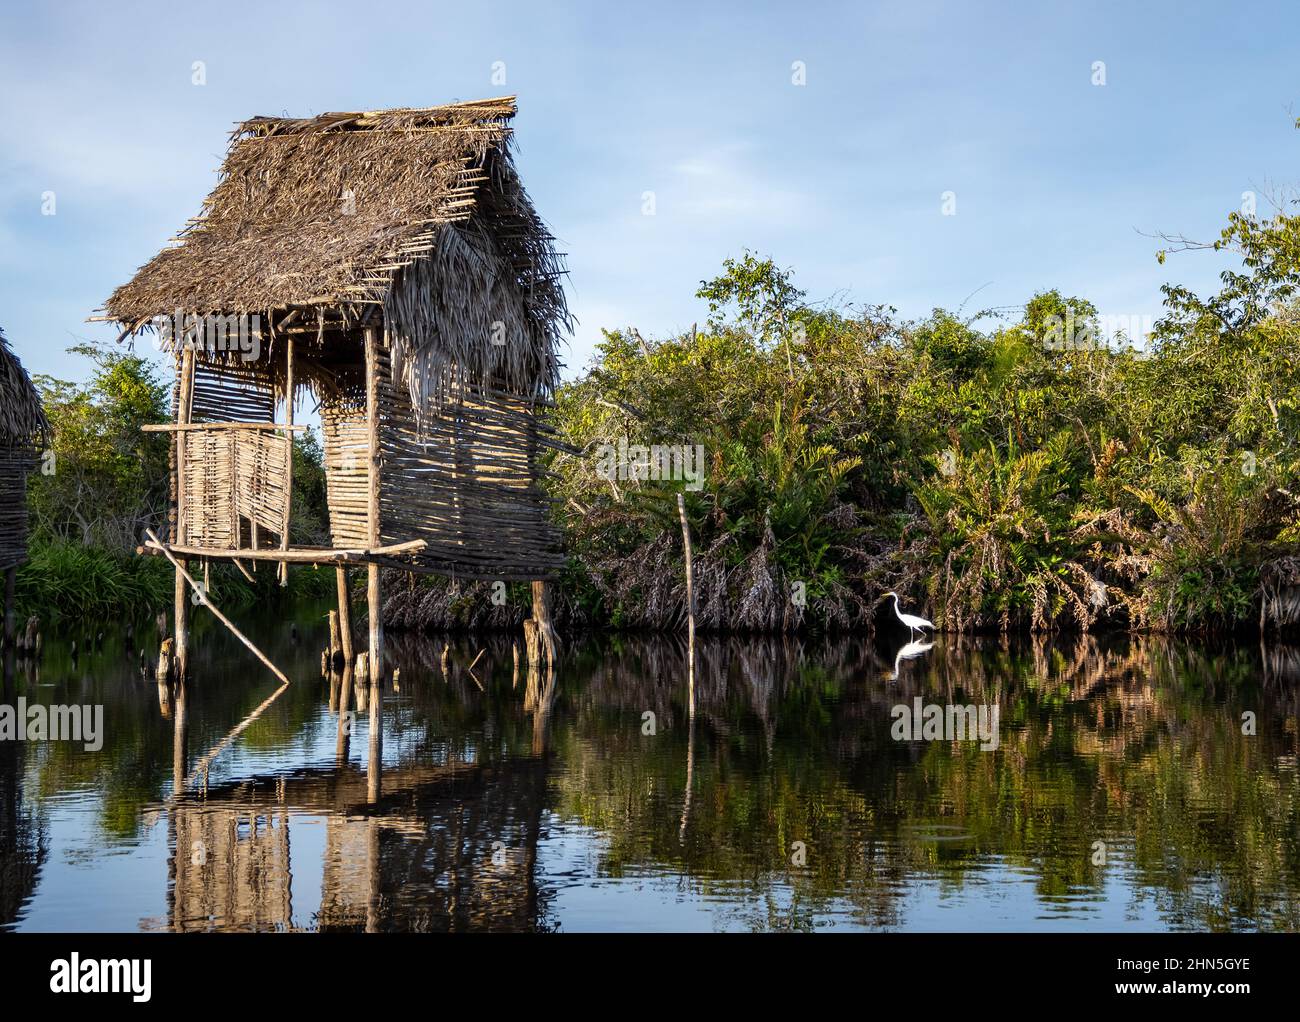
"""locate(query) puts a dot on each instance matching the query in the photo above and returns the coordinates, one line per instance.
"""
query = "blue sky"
(840, 179)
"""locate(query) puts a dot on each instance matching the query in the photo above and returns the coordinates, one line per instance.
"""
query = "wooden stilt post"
(373, 595)
(375, 762)
(288, 456)
(163, 672)
(180, 737)
(181, 593)
(345, 613)
(346, 716)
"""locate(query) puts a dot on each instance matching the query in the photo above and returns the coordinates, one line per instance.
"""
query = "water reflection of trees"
(23, 841)
(1135, 743)
(1099, 740)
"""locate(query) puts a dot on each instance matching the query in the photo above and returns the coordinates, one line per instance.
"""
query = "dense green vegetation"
(1031, 473)
(103, 482)
(1028, 471)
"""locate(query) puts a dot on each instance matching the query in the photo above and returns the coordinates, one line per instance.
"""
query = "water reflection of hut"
(23, 840)
(449, 847)
(390, 264)
(23, 428)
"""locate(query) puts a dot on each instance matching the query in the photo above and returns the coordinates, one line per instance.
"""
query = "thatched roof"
(417, 210)
(22, 419)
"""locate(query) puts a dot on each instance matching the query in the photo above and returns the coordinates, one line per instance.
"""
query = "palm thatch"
(417, 210)
(23, 427)
(22, 419)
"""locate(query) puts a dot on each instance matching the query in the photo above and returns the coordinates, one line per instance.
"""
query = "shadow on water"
(1126, 789)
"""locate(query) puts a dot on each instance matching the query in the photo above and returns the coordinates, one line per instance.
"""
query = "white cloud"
(728, 183)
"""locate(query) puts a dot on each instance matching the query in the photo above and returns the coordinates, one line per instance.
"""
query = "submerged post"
(181, 592)
(334, 654)
(539, 632)
(345, 613)
(690, 605)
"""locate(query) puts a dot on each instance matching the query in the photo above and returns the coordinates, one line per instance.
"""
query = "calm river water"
(1126, 790)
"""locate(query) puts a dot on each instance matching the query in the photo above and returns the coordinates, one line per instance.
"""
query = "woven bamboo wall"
(463, 480)
(15, 463)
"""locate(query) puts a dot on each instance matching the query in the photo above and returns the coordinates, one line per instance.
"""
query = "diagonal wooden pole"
(206, 601)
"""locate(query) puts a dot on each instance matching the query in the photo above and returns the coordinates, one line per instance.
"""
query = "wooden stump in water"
(532, 643)
(163, 673)
(335, 641)
(363, 666)
(547, 639)
(28, 640)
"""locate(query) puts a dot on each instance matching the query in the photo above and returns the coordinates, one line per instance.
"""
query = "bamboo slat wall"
(15, 463)
(462, 478)
(23, 430)
(347, 475)
(224, 392)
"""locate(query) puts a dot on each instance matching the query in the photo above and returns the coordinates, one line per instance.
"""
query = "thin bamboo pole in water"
(288, 456)
(373, 596)
(690, 604)
(372, 503)
(180, 595)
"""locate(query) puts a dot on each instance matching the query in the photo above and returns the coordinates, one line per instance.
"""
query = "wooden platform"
(292, 555)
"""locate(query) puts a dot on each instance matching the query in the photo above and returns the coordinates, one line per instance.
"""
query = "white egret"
(915, 624)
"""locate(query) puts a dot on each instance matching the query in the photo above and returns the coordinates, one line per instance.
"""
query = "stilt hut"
(389, 266)
(23, 429)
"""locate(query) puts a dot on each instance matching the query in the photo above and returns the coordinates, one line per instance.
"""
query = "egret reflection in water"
(909, 651)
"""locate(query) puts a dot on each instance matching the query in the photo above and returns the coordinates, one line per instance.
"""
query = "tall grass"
(67, 580)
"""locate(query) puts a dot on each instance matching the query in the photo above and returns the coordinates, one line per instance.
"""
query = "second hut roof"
(22, 419)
